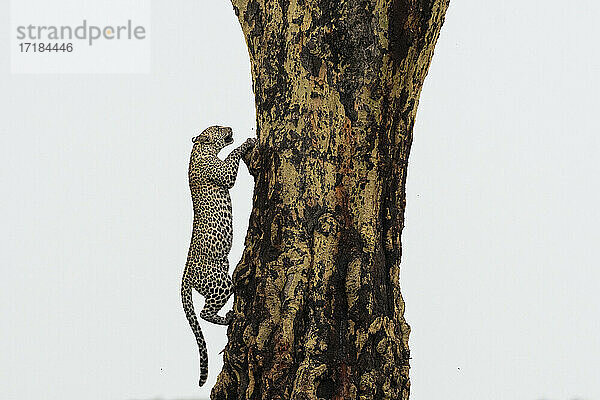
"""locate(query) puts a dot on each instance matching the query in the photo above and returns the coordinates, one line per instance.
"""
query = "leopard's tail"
(188, 307)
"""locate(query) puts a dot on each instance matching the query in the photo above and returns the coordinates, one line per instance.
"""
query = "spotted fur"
(207, 267)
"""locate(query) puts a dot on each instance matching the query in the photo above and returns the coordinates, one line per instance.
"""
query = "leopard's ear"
(200, 139)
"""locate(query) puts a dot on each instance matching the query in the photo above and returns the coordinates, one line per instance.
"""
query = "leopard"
(207, 267)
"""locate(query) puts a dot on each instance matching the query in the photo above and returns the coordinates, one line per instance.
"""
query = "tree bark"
(318, 308)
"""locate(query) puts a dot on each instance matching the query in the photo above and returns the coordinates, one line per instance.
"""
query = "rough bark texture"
(318, 308)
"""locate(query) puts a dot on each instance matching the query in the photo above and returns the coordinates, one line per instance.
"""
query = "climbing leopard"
(207, 268)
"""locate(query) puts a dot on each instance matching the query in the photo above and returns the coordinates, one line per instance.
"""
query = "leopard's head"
(215, 136)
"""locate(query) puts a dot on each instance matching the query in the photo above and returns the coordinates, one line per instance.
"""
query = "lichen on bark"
(318, 308)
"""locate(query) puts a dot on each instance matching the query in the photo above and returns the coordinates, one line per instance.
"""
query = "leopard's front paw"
(249, 144)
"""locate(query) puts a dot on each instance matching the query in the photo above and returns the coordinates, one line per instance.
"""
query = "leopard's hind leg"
(216, 287)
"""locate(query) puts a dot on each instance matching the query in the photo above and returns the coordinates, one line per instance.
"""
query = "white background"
(500, 270)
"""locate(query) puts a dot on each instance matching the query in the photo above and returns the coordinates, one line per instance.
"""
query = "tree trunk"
(318, 308)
